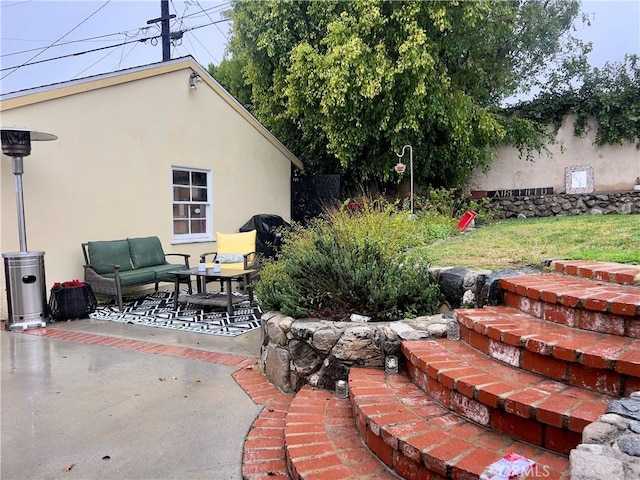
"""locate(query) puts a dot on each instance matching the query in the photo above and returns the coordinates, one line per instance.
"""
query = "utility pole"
(166, 33)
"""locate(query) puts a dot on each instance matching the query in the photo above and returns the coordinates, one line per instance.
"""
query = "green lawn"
(517, 243)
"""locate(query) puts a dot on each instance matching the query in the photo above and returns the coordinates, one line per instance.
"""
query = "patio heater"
(24, 270)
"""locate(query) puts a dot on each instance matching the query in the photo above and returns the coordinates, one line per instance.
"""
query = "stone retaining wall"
(562, 204)
(610, 447)
(319, 352)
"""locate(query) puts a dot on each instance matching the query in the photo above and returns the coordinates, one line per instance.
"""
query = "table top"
(212, 299)
(224, 273)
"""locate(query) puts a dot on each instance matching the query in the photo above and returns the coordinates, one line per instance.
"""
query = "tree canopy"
(610, 95)
(345, 84)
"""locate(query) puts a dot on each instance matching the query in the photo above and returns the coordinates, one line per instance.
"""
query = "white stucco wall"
(615, 167)
(108, 176)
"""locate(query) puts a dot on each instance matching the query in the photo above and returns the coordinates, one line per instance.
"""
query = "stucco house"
(160, 149)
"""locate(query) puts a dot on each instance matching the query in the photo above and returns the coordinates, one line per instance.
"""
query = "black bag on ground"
(72, 302)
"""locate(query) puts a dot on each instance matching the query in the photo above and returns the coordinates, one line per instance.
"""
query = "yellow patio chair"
(235, 251)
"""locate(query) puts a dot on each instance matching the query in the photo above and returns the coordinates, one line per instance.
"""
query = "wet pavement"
(76, 410)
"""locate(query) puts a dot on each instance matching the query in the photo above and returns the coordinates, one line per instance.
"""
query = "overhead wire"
(76, 54)
(94, 63)
(142, 40)
(127, 33)
(71, 42)
(178, 21)
(128, 36)
(45, 49)
(195, 36)
(5, 5)
(219, 29)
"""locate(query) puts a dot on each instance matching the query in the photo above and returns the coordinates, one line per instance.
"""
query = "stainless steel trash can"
(26, 289)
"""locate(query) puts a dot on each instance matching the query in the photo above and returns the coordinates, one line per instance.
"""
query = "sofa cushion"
(138, 276)
(109, 251)
(146, 252)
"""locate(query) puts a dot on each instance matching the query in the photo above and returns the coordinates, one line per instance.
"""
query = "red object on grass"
(466, 219)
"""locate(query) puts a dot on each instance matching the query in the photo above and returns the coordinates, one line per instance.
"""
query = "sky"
(46, 38)
(30, 26)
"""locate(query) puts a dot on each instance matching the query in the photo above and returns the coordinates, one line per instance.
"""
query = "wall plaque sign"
(520, 192)
(578, 179)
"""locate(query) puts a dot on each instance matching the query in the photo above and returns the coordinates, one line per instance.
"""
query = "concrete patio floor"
(123, 402)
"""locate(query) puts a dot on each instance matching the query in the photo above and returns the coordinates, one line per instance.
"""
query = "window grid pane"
(191, 208)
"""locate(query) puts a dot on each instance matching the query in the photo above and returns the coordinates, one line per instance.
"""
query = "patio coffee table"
(202, 298)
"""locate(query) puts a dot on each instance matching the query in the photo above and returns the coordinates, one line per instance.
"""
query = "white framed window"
(192, 204)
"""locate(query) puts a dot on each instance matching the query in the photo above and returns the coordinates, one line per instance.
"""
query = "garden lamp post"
(400, 168)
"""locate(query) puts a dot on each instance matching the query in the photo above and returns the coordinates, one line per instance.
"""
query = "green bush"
(449, 202)
(363, 262)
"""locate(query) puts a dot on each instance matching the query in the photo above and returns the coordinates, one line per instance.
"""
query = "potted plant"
(636, 187)
(71, 299)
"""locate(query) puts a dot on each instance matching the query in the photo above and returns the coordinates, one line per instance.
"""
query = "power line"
(45, 49)
(203, 11)
(76, 54)
(101, 48)
(5, 5)
(94, 63)
(71, 42)
(99, 37)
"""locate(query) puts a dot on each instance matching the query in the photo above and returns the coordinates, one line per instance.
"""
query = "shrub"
(363, 262)
(449, 202)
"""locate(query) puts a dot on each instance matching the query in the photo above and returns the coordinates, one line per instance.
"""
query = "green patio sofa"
(114, 265)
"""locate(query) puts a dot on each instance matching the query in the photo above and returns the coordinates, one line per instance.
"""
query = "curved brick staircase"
(526, 377)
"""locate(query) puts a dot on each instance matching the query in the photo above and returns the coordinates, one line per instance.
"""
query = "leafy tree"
(610, 95)
(344, 84)
(229, 74)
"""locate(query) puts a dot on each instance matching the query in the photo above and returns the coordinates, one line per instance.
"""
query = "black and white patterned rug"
(157, 310)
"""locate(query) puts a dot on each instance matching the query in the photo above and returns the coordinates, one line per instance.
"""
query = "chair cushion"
(146, 252)
(230, 258)
(235, 243)
(109, 251)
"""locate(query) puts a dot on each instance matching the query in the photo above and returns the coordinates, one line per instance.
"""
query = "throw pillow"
(230, 258)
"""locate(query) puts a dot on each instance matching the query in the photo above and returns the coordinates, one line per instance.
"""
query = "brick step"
(619, 273)
(576, 292)
(523, 405)
(322, 443)
(419, 439)
(603, 363)
(574, 302)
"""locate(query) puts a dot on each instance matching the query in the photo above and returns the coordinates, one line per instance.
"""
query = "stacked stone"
(319, 352)
(610, 447)
(467, 288)
(566, 204)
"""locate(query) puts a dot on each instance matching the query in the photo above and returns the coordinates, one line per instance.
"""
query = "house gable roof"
(60, 90)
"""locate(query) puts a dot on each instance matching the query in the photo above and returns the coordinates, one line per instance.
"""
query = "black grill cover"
(266, 226)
